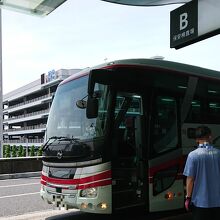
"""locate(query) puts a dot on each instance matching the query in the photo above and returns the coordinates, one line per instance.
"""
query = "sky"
(86, 33)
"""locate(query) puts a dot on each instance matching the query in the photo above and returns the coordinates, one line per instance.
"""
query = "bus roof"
(152, 64)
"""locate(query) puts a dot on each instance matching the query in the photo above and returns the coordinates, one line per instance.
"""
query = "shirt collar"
(205, 145)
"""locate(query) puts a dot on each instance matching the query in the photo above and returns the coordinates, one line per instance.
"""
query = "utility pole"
(1, 90)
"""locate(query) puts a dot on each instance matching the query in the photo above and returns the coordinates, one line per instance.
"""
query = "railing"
(26, 128)
(28, 115)
(29, 101)
(25, 140)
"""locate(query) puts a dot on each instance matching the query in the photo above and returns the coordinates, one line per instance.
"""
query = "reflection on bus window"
(127, 105)
(163, 179)
(214, 112)
(165, 124)
(128, 108)
(66, 119)
(103, 102)
(194, 115)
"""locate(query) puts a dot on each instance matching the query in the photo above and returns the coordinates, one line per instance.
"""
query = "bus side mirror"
(92, 107)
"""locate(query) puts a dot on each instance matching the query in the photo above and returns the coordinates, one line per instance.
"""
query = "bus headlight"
(90, 192)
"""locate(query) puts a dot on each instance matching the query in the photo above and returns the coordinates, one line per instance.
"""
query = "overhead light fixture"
(34, 7)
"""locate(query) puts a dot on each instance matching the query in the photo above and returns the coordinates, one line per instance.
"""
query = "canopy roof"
(34, 7)
(147, 2)
(45, 7)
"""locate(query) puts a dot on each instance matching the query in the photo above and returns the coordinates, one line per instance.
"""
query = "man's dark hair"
(202, 132)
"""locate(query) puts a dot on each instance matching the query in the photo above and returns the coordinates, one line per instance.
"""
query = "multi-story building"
(26, 109)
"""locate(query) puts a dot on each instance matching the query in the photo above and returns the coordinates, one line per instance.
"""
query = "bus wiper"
(54, 138)
(59, 138)
(68, 139)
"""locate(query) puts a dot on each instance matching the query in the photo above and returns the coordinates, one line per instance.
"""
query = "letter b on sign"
(183, 21)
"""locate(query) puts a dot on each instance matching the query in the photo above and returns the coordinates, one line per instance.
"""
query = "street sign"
(193, 22)
(184, 24)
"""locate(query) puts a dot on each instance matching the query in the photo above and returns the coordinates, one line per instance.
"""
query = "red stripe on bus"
(59, 181)
(105, 175)
(95, 184)
(163, 166)
(43, 182)
(178, 176)
(97, 177)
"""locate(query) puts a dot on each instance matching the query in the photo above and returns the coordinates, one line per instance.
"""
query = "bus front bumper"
(59, 200)
(100, 204)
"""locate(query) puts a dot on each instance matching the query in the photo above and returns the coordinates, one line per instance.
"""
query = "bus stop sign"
(183, 25)
(193, 22)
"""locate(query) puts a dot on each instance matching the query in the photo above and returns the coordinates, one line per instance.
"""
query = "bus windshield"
(67, 120)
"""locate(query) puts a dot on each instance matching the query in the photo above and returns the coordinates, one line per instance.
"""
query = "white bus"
(118, 134)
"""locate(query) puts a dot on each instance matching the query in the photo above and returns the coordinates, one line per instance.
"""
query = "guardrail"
(20, 165)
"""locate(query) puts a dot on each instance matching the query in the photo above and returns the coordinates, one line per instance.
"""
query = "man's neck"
(203, 142)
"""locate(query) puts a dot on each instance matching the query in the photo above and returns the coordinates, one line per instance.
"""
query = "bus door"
(166, 191)
(127, 164)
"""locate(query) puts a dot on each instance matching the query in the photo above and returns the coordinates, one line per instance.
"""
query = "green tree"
(20, 151)
(32, 153)
(24, 152)
(39, 151)
(14, 151)
(4, 150)
(8, 151)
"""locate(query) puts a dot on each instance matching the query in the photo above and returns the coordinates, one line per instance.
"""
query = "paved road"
(77, 215)
(20, 200)
(19, 196)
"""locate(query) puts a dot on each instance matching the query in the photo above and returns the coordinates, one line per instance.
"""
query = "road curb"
(20, 175)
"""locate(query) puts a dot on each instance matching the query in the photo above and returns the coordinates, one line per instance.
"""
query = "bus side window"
(194, 115)
(214, 112)
(165, 124)
(129, 136)
(128, 107)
